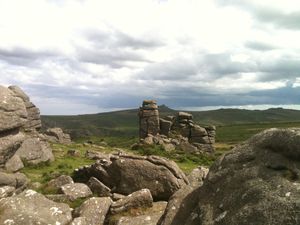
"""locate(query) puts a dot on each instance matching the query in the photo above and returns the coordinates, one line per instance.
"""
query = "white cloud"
(117, 52)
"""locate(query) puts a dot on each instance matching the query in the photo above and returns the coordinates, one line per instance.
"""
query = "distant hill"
(125, 122)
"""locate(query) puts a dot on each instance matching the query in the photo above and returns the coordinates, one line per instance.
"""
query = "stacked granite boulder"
(149, 118)
(19, 138)
(174, 132)
(33, 121)
(185, 125)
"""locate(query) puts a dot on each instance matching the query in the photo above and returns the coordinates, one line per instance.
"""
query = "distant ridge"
(125, 122)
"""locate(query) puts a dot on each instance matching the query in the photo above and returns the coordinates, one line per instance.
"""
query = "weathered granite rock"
(30, 207)
(255, 183)
(58, 198)
(165, 126)
(125, 174)
(35, 151)
(14, 164)
(149, 118)
(13, 112)
(7, 191)
(94, 210)
(188, 147)
(148, 140)
(55, 184)
(97, 187)
(79, 221)
(90, 154)
(197, 176)
(17, 180)
(76, 190)
(168, 147)
(185, 116)
(9, 144)
(57, 135)
(150, 216)
(116, 196)
(138, 199)
(33, 113)
(181, 200)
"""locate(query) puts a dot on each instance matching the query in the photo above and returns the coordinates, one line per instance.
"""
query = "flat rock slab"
(94, 210)
(138, 199)
(98, 187)
(151, 216)
(76, 190)
(30, 207)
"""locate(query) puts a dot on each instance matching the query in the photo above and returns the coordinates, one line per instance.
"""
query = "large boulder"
(125, 174)
(33, 113)
(13, 112)
(34, 151)
(256, 183)
(182, 199)
(30, 207)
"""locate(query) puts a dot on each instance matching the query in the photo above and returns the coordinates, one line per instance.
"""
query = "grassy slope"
(233, 124)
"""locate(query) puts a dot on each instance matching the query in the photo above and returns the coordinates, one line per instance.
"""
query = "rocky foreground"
(255, 183)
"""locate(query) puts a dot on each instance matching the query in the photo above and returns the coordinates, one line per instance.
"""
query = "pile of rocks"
(125, 174)
(174, 131)
(129, 189)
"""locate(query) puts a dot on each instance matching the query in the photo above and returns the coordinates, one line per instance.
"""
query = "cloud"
(24, 56)
(260, 46)
(95, 55)
(273, 14)
(113, 38)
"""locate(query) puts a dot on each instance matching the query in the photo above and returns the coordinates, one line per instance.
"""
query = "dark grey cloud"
(115, 58)
(278, 18)
(268, 15)
(260, 46)
(202, 66)
(114, 48)
(209, 67)
(25, 57)
(117, 39)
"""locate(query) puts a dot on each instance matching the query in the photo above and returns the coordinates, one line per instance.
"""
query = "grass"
(63, 164)
(236, 133)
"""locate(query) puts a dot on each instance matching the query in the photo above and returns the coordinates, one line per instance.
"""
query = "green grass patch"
(63, 164)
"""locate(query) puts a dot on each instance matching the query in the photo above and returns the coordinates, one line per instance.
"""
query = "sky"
(88, 56)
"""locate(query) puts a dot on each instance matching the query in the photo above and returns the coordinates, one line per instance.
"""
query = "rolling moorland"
(233, 125)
